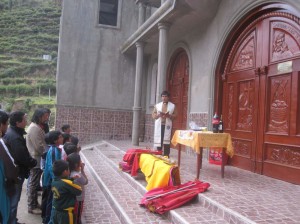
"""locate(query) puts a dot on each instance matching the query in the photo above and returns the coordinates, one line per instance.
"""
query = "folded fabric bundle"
(158, 173)
(130, 162)
(163, 199)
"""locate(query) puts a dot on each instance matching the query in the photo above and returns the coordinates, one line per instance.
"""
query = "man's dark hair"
(65, 127)
(15, 117)
(3, 117)
(165, 93)
(59, 166)
(37, 115)
(48, 111)
(70, 148)
(74, 140)
(73, 159)
(66, 137)
(53, 136)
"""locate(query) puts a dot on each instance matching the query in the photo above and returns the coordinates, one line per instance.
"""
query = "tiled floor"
(256, 198)
(259, 198)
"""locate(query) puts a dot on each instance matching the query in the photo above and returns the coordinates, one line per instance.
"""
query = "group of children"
(63, 180)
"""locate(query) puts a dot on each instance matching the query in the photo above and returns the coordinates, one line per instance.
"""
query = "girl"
(78, 174)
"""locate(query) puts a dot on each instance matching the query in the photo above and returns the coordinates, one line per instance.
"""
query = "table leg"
(223, 162)
(199, 162)
(201, 155)
(179, 154)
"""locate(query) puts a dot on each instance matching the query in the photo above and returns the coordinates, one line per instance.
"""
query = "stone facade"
(92, 124)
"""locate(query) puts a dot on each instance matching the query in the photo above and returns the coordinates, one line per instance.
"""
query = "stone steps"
(122, 197)
(125, 192)
(98, 209)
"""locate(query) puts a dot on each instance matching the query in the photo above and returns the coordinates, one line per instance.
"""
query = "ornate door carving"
(261, 97)
(178, 85)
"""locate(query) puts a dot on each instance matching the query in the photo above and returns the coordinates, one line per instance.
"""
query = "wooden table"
(197, 140)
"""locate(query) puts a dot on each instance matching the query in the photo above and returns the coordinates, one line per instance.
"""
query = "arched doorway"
(261, 96)
(178, 86)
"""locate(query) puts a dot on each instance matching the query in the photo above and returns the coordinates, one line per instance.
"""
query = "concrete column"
(137, 92)
(142, 12)
(162, 59)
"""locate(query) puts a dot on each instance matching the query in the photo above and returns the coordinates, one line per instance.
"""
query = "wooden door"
(261, 99)
(178, 85)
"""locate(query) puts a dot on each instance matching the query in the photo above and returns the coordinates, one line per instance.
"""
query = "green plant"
(28, 104)
(9, 105)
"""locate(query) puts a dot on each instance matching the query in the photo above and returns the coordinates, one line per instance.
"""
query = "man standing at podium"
(163, 113)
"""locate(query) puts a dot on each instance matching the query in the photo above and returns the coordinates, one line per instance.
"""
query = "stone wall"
(93, 124)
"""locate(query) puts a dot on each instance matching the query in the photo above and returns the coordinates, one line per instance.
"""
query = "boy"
(70, 148)
(64, 194)
(54, 153)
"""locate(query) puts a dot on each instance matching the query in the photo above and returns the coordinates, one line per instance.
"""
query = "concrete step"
(240, 197)
(96, 207)
(122, 197)
(125, 192)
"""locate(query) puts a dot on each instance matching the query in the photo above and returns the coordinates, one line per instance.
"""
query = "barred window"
(108, 13)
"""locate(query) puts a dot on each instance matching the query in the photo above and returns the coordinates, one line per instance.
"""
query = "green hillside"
(29, 29)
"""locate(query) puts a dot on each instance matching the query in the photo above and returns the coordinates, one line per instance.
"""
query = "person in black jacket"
(8, 171)
(17, 145)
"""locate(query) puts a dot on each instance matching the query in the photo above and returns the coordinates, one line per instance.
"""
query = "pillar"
(162, 59)
(142, 12)
(137, 93)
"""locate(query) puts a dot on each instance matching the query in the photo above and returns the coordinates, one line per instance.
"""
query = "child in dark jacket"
(54, 153)
(77, 173)
(64, 194)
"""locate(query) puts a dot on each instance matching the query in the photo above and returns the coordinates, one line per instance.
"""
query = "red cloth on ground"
(132, 158)
(160, 200)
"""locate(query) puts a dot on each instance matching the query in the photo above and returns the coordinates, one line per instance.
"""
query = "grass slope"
(29, 29)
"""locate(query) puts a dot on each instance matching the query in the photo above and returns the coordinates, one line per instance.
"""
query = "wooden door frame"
(225, 59)
(237, 32)
(170, 67)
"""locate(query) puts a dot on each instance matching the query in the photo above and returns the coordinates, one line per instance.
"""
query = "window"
(108, 13)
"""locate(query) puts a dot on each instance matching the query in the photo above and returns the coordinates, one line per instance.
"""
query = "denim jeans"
(14, 201)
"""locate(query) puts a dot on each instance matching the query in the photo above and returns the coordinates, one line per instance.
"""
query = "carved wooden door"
(261, 99)
(178, 85)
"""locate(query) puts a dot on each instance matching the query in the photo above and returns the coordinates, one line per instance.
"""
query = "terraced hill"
(29, 29)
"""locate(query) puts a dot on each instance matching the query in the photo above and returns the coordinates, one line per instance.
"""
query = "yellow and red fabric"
(197, 139)
(156, 171)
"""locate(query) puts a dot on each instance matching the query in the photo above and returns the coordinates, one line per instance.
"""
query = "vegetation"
(29, 29)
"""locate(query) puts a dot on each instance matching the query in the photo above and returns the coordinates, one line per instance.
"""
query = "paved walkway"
(23, 215)
(256, 198)
(252, 197)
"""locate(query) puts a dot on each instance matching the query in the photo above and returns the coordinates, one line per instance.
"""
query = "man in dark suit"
(17, 145)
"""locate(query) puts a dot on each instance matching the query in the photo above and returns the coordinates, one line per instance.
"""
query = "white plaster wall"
(91, 70)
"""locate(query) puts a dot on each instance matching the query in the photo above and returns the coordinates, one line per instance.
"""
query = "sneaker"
(35, 211)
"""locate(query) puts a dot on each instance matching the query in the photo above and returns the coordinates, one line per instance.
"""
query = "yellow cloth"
(156, 171)
(196, 139)
(146, 164)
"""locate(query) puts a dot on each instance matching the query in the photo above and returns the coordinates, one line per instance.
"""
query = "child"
(64, 194)
(77, 173)
(70, 148)
(75, 141)
(66, 140)
(54, 153)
